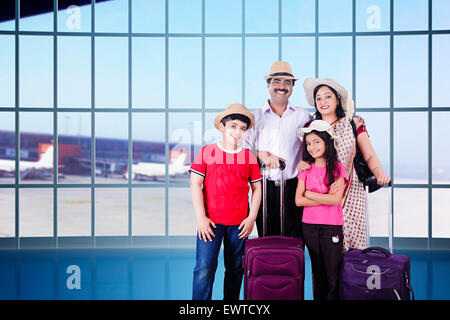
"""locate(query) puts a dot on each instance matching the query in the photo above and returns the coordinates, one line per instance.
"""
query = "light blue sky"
(224, 66)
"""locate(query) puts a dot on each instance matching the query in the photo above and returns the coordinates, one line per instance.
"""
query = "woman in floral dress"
(334, 105)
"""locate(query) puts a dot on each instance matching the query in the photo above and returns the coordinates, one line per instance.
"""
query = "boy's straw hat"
(280, 69)
(232, 109)
(318, 125)
(346, 101)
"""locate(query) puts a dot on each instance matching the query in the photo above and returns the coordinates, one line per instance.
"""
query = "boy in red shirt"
(224, 169)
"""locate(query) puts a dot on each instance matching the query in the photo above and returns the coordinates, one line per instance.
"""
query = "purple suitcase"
(376, 273)
(274, 266)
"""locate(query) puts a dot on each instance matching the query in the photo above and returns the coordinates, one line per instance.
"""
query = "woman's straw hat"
(346, 101)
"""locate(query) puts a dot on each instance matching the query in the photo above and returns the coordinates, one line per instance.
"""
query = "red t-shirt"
(225, 187)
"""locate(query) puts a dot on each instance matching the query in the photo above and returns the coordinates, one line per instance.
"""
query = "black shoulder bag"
(362, 169)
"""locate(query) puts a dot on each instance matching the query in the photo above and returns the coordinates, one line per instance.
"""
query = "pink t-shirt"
(315, 181)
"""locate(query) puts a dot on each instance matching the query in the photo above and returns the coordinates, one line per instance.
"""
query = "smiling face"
(326, 101)
(233, 132)
(280, 90)
(315, 145)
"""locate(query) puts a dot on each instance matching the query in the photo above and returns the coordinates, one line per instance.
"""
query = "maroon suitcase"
(274, 266)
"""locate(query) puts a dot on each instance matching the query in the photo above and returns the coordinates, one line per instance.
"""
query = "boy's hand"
(246, 227)
(204, 229)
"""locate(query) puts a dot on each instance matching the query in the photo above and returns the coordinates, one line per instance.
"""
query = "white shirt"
(278, 135)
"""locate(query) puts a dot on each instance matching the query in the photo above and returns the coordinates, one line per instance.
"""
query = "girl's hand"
(204, 229)
(246, 227)
(303, 166)
(335, 187)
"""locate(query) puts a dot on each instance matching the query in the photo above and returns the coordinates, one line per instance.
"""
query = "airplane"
(153, 171)
(29, 169)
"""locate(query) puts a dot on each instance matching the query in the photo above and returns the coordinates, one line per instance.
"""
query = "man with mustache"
(274, 138)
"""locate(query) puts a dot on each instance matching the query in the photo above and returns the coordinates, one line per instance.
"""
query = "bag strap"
(352, 122)
(412, 291)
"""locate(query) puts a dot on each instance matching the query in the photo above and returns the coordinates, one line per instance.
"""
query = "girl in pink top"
(322, 213)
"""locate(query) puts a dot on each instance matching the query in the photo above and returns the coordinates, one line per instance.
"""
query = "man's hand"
(269, 160)
(303, 166)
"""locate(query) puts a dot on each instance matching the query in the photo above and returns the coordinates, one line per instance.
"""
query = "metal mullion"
(130, 146)
(93, 165)
(109, 109)
(111, 34)
(166, 129)
(226, 35)
(73, 34)
(36, 33)
(140, 110)
(17, 126)
(354, 53)
(203, 71)
(391, 113)
(430, 122)
(441, 186)
(316, 36)
(280, 29)
(130, 123)
(71, 110)
(55, 123)
(243, 51)
(411, 185)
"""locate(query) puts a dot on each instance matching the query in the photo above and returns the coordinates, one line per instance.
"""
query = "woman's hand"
(358, 121)
(303, 166)
(382, 178)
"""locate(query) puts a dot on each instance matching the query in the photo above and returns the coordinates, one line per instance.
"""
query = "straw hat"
(318, 125)
(280, 69)
(346, 101)
(233, 109)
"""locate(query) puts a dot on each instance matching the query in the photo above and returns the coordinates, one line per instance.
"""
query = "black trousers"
(292, 213)
(325, 247)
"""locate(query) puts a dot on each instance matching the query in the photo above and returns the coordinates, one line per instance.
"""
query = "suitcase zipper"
(274, 247)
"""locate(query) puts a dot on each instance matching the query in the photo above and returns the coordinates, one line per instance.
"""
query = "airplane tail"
(46, 160)
(178, 162)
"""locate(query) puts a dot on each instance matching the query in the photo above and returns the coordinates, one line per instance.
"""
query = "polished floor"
(162, 274)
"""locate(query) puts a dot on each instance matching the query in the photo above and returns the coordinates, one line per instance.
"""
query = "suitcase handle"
(379, 249)
(282, 165)
(264, 197)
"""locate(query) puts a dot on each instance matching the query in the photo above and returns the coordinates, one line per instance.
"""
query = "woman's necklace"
(332, 122)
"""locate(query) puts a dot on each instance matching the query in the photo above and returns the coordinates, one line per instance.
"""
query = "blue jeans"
(207, 259)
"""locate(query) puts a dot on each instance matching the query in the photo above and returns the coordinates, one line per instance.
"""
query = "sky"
(226, 72)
